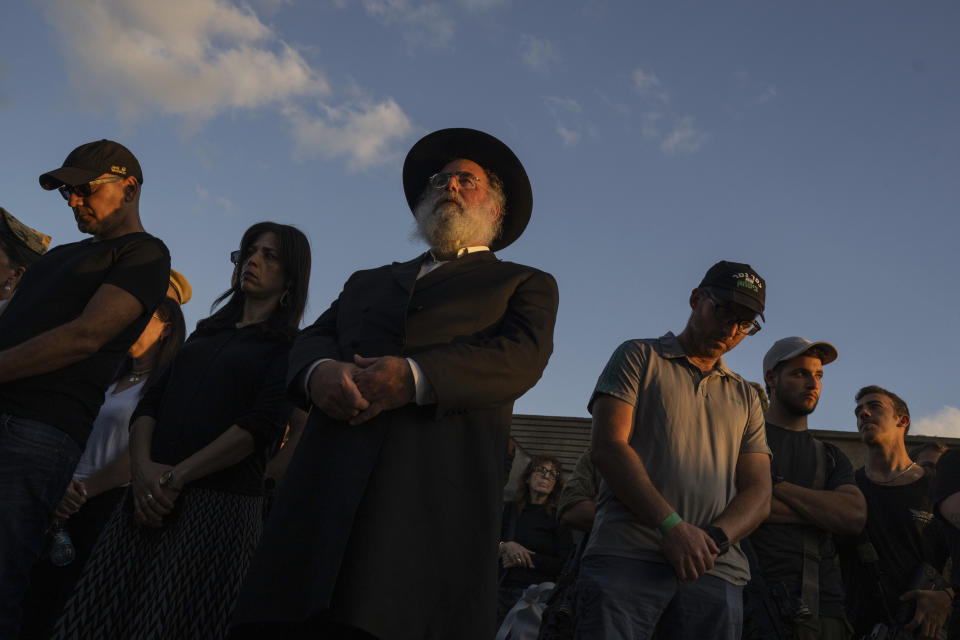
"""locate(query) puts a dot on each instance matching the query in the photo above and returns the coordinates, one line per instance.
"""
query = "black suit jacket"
(392, 526)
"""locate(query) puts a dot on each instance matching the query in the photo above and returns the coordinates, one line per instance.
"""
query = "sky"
(817, 141)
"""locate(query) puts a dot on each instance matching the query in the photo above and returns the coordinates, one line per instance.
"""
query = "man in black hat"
(678, 440)
(76, 312)
(388, 517)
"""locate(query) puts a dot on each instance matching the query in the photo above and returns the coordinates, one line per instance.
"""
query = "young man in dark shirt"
(881, 565)
(814, 498)
(77, 311)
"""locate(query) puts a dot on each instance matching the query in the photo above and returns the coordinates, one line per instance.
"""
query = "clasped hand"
(690, 551)
(152, 499)
(514, 554)
(933, 608)
(358, 391)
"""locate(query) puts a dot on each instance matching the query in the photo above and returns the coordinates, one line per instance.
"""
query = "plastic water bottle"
(62, 552)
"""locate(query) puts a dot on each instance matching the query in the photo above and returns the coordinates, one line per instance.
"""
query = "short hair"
(522, 497)
(814, 352)
(899, 406)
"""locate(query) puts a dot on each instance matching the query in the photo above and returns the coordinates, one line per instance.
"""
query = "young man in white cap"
(62, 336)
(387, 520)
(814, 498)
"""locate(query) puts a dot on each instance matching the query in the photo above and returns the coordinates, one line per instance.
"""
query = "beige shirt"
(689, 430)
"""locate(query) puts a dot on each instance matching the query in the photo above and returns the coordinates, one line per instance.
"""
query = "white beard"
(446, 224)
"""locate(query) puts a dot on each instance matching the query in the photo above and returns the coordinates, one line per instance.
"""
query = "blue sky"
(817, 141)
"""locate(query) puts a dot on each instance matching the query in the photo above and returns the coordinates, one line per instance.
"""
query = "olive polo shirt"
(689, 430)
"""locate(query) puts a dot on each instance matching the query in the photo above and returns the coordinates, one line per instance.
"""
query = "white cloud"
(650, 124)
(426, 25)
(197, 59)
(648, 84)
(538, 54)
(482, 5)
(568, 119)
(944, 423)
(360, 133)
(684, 138)
(179, 57)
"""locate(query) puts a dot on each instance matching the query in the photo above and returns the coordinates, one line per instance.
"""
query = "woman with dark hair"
(20, 246)
(170, 562)
(533, 544)
(102, 473)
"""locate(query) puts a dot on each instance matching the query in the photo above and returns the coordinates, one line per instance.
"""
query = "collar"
(460, 253)
(670, 347)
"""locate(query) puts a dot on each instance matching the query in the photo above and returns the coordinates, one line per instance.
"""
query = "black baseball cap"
(737, 282)
(90, 161)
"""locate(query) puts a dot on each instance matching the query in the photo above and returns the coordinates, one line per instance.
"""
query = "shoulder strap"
(810, 584)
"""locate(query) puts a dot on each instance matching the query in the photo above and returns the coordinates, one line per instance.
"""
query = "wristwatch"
(719, 537)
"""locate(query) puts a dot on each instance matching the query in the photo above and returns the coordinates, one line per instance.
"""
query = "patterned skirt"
(177, 581)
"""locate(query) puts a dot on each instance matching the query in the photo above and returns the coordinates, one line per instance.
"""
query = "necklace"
(889, 480)
(135, 376)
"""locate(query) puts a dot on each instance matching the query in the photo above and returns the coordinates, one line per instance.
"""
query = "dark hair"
(294, 255)
(522, 497)
(899, 406)
(168, 311)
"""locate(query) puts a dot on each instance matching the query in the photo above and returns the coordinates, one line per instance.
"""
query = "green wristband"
(670, 522)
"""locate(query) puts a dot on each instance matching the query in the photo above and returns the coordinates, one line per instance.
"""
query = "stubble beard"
(447, 224)
(795, 408)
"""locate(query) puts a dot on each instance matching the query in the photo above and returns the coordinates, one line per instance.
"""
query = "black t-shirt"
(904, 533)
(779, 547)
(539, 532)
(221, 377)
(54, 291)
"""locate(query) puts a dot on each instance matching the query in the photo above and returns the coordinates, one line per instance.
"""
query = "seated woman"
(103, 472)
(170, 562)
(533, 545)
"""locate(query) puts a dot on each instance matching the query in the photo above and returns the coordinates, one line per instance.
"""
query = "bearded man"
(387, 521)
(815, 498)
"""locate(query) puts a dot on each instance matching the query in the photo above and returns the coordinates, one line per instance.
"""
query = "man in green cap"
(20, 246)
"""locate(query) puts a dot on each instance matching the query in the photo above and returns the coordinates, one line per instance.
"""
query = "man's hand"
(386, 382)
(689, 550)
(151, 500)
(933, 607)
(514, 554)
(73, 499)
(333, 390)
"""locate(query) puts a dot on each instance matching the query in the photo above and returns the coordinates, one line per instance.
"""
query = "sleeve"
(149, 404)
(270, 411)
(755, 435)
(481, 370)
(142, 269)
(948, 476)
(842, 472)
(316, 342)
(579, 486)
(623, 373)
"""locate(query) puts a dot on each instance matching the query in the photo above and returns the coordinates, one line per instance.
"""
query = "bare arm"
(580, 516)
(111, 475)
(751, 505)
(782, 513)
(842, 510)
(151, 500)
(109, 311)
(686, 547)
(277, 467)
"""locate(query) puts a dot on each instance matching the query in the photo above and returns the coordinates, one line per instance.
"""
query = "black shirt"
(779, 547)
(54, 291)
(904, 533)
(539, 532)
(221, 377)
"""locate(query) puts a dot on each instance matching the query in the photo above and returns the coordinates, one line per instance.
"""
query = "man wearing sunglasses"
(388, 518)
(77, 311)
(678, 440)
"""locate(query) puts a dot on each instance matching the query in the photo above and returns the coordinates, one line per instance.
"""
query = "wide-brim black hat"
(436, 149)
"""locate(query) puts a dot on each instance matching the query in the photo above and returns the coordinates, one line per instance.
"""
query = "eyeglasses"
(550, 473)
(727, 317)
(465, 179)
(85, 190)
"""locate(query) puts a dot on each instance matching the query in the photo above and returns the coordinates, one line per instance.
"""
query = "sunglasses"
(85, 190)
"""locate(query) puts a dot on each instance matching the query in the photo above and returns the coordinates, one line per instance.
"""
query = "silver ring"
(149, 496)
